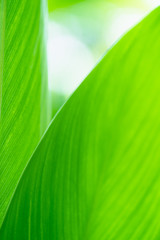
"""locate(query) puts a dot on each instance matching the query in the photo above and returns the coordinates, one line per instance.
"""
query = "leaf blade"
(98, 174)
(23, 88)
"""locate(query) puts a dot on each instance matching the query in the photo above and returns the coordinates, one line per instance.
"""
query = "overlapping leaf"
(96, 172)
(22, 89)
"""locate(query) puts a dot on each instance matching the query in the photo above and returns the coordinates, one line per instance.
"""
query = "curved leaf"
(22, 89)
(95, 174)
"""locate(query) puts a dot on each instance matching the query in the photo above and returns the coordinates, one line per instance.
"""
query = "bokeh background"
(79, 34)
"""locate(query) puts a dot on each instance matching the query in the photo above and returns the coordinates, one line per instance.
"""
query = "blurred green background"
(79, 33)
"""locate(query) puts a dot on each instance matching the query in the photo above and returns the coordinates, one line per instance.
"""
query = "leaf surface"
(56, 4)
(96, 172)
(23, 87)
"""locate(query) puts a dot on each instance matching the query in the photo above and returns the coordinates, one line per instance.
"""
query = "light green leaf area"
(96, 172)
(22, 90)
(56, 4)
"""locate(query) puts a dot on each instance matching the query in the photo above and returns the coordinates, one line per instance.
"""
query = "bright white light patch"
(152, 3)
(69, 60)
(122, 20)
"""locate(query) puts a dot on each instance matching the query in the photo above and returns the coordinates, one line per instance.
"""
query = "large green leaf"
(96, 172)
(22, 89)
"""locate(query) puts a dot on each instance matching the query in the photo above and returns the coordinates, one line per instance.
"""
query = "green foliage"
(55, 4)
(61, 4)
(23, 100)
(95, 173)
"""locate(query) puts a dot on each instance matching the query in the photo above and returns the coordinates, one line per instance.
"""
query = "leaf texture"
(23, 88)
(96, 172)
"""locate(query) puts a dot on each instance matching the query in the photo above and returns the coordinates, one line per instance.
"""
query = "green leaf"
(23, 101)
(56, 4)
(95, 174)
